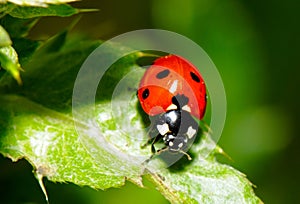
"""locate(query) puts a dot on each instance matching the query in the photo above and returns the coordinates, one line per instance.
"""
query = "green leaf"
(54, 44)
(36, 123)
(37, 2)
(62, 10)
(16, 27)
(204, 180)
(9, 61)
(55, 92)
(25, 49)
(4, 37)
(55, 70)
(48, 140)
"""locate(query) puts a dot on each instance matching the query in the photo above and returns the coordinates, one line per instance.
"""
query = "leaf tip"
(39, 176)
(219, 150)
(87, 10)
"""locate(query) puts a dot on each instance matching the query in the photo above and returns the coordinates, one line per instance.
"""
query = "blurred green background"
(255, 46)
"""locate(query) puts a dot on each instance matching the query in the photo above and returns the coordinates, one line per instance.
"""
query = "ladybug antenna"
(186, 154)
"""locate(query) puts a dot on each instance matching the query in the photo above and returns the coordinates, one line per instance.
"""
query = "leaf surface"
(103, 148)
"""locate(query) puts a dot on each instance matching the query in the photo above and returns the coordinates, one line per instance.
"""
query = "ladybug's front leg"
(156, 139)
(152, 141)
(154, 135)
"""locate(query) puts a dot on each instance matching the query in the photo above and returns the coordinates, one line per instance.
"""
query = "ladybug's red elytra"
(173, 90)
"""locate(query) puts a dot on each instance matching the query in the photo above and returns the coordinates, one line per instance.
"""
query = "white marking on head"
(186, 108)
(163, 129)
(171, 144)
(172, 107)
(168, 137)
(173, 87)
(180, 145)
(191, 132)
(173, 115)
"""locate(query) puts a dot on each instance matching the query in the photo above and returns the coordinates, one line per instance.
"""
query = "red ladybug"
(173, 90)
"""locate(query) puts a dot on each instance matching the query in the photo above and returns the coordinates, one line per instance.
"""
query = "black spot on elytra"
(195, 77)
(163, 74)
(145, 93)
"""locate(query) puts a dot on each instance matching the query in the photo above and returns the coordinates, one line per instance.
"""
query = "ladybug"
(173, 91)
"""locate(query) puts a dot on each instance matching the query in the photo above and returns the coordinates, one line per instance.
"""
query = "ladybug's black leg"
(153, 150)
(151, 141)
(180, 151)
(152, 133)
(162, 150)
(156, 139)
